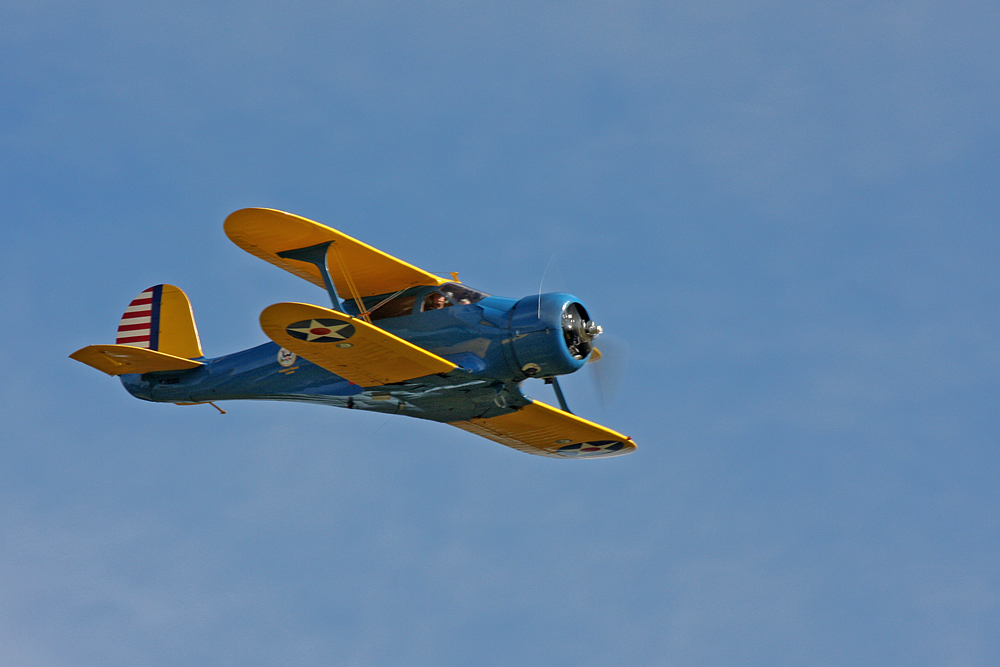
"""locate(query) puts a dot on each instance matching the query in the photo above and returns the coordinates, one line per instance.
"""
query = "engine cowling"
(551, 334)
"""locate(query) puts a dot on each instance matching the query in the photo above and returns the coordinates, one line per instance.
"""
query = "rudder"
(160, 319)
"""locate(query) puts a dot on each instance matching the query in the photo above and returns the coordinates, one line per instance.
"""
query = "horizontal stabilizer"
(543, 430)
(355, 267)
(124, 359)
(351, 348)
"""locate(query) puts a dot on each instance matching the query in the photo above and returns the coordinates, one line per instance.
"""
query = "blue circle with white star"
(320, 331)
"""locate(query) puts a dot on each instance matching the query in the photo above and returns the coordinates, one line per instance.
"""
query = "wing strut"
(350, 282)
(559, 395)
(316, 255)
(319, 256)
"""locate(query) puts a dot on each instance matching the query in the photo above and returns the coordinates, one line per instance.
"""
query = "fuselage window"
(397, 307)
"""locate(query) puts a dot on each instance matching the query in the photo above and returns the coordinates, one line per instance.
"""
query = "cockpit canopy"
(402, 304)
(454, 295)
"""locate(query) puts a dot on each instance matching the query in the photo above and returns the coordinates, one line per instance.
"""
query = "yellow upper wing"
(351, 348)
(264, 233)
(541, 429)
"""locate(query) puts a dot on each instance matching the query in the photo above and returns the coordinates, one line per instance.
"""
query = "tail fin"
(160, 319)
(156, 333)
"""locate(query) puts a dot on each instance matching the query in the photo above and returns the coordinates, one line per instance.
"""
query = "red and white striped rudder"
(136, 327)
(160, 318)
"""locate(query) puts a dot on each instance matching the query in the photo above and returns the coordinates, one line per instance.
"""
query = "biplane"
(397, 340)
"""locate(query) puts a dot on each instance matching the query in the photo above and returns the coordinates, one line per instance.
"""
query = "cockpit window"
(446, 296)
(397, 307)
(460, 294)
(451, 294)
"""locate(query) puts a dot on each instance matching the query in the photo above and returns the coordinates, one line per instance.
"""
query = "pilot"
(435, 301)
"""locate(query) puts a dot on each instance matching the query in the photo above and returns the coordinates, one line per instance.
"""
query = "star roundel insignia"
(581, 450)
(320, 331)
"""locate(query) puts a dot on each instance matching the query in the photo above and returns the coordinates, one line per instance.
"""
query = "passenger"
(435, 301)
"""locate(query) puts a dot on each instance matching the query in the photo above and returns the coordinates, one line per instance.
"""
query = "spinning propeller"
(609, 374)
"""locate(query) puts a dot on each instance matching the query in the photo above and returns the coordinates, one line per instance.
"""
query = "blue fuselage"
(496, 343)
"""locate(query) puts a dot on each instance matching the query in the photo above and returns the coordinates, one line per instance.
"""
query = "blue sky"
(787, 211)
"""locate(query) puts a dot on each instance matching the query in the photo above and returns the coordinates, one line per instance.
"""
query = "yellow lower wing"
(351, 348)
(541, 429)
(124, 359)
